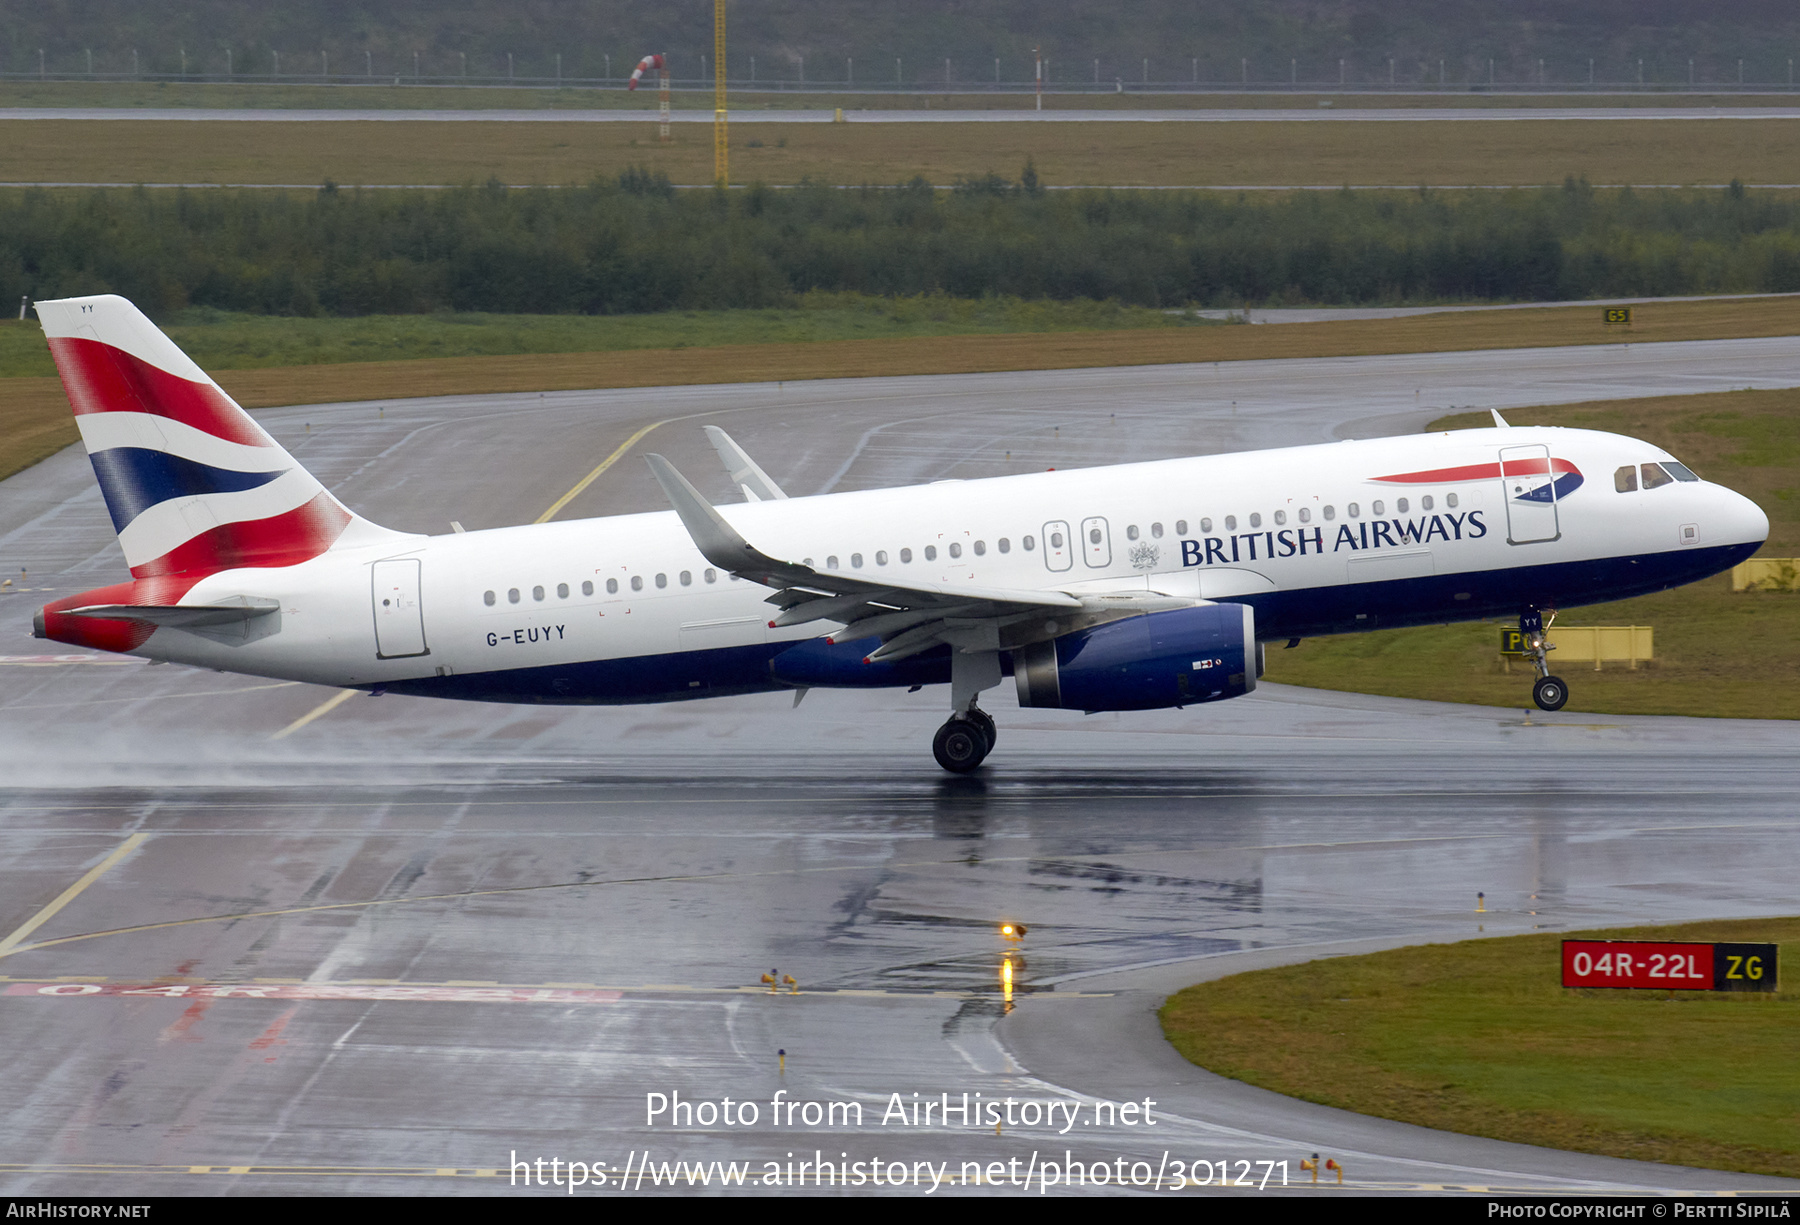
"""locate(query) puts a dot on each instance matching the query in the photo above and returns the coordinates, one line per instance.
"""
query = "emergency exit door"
(399, 621)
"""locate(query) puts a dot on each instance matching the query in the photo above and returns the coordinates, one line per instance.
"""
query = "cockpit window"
(1680, 472)
(1625, 479)
(1655, 477)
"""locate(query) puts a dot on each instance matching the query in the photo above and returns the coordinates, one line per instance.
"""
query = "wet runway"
(400, 945)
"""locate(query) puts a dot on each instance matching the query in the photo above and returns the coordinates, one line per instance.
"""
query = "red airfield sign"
(1669, 965)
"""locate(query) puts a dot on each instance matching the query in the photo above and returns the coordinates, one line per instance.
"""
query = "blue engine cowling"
(1176, 658)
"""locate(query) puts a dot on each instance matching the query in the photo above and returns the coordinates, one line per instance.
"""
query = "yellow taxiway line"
(70, 894)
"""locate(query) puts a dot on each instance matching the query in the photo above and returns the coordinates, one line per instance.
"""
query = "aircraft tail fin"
(194, 485)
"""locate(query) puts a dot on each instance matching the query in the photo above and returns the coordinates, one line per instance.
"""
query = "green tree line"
(634, 245)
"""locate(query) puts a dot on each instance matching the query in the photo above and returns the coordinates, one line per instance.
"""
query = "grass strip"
(1719, 653)
(225, 340)
(1480, 1038)
(1405, 155)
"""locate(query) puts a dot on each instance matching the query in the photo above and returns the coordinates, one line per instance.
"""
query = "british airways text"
(1290, 542)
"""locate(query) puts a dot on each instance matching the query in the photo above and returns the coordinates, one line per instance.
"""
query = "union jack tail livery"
(194, 486)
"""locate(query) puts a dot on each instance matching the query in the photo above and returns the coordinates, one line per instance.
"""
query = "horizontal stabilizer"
(235, 610)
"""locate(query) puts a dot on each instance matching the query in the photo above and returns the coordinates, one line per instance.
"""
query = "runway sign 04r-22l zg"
(1669, 966)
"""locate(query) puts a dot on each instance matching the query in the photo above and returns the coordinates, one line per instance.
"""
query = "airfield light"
(1013, 931)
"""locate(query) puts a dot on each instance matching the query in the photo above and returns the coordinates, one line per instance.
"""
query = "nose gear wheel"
(1550, 693)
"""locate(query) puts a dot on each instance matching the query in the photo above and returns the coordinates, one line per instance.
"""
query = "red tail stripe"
(102, 379)
(1478, 472)
(286, 539)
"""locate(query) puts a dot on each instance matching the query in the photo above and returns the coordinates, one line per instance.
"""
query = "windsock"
(650, 63)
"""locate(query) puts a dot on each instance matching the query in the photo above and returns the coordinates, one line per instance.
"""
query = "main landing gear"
(1549, 692)
(965, 740)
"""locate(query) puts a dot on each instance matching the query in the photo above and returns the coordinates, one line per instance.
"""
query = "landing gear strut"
(965, 741)
(1549, 692)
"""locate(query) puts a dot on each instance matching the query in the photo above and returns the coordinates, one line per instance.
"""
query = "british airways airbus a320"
(1136, 587)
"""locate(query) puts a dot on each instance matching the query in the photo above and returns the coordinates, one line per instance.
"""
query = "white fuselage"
(1308, 536)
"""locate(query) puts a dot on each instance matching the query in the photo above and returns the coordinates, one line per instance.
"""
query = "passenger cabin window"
(1005, 545)
(487, 597)
(905, 556)
(981, 548)
(1029, 542)
(881, 557)
(1280, 518)
(1131, 532)
(562, 591)
(1255, 520)
(687, 578)
(856, 561)
(537, 593)
(1655, 477)
(1330, 513)
(1181, 527)
(931, 552)
(662, 580)
(1377, 508)
(612, 586)
(587, 588)
(512, 595)
(1450, 500)
(1425, 502)
(637, 582)
(1353, 510)
(1400, 506)
(712, 576)
(1156, 531)
(1231, 523)
(955, 550)
(1206, 525)
(1625, 479)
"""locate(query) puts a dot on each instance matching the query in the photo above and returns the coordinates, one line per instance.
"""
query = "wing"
(908, 617)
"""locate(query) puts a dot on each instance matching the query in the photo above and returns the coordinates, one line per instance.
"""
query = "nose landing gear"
(1549, 692)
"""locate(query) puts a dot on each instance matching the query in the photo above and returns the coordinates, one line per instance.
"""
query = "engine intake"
(1176, 658)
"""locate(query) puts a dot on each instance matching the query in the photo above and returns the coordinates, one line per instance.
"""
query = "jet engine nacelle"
(1176, 658)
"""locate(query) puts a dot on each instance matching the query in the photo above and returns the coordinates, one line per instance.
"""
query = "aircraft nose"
(1742, 521)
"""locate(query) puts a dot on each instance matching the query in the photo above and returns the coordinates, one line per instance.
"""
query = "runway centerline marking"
(322, 709)
(71, 893)
(602, 466)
